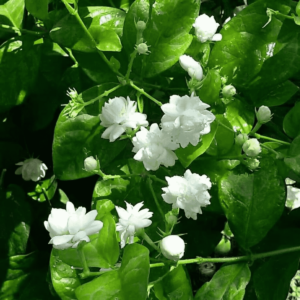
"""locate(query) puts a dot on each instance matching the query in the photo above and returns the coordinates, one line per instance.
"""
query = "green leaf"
(240, 116)
(20, 59)
(187, 155)
(129, 282)
(80, 137)
(103, 207)
(45, 188)
(38, 9)
(210, 91)
(293, 161)
(63, 197)
(246, 46)
(243, 197)
(11, 13)
(176, 285)
(65, 279)
(10, 154)
(105, 24)
(291, 122)
(107, 244)
(15, 219)
(298, 9)
(167, 33)
(272, 279)
(228, 283)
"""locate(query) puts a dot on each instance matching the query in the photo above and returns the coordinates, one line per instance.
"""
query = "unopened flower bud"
(90, 164)
(224, 247)
(228, 91)
(140, 25)
(241, 139)
(252, 163)
(252, 147)
(172, 247)
(263, 114)
(142, 48)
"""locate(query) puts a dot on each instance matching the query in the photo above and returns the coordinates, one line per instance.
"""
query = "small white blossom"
(90, 164)
(191, 66)
(131, 220)
(118, 115)
(188, 193)
(31, 169)
(293, 197)
(67, 227)
(185, 119)
(252, 147)
(172, 247)
(154, 148)
(263, 114)
(206, 28)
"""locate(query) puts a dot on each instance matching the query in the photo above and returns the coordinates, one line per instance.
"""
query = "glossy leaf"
(168, 37)
(15, 219)
(210, 91)
(228, 283)
(107, 244)
(272, 279)
(293, 161)
(291, 122)
(253, 203)
(129, 282)
(63, 198)
(246, 46)
(79, 137)
(105, 24)
(104, 207)
(240, 116)
(187, 155)
(11, 13)
(65, 279)
(20, 59)
(38, 9)
(176, 285)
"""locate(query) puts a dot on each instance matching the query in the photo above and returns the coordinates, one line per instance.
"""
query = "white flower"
(118, 115)
(191, 66)
(188, 193)
(131, 220)
(252, 147)
(31, 169)
(172, 247)
(67, 227)
(205, 29)
(185, 119)
(154, 148)
(293, 197)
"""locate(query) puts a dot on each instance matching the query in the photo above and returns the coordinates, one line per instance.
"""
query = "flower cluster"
(131, 220)
(185, 119)
(31, 169)
(67, 227)
(118, 115)
(188, 193)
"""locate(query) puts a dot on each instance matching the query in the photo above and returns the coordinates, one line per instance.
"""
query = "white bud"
(90, 164)
(252, 163)
(252, 147)
(191, 66)
(241, 139)
(263, 114)
(142, 48)
(140, 25)
(228, 91)
(172, 247)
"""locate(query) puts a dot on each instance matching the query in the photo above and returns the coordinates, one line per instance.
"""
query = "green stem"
(256, 127)
(19, 31)
(144, 93)
(277, 13)
(155, 198)
(86, 270)
(270, 149)
(45, 195)
(2, 178)
(259, 136)
(153, 177)
(105, 94)
(150, 85)
(74, 12)
(132, 57)
(231, 259)
(71, 55)
(146, 237)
